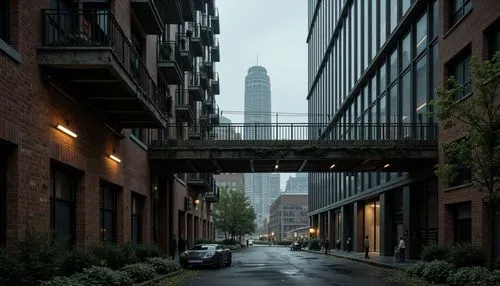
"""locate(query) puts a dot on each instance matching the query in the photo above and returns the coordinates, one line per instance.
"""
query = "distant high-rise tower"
(258, 110)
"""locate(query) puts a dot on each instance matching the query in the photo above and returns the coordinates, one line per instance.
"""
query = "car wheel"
(229, 260)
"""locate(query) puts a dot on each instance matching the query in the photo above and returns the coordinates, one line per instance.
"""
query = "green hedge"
(39, 257)
(314, 244)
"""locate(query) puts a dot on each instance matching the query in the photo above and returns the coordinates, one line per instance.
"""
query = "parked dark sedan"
(216, 255)
(296, 246)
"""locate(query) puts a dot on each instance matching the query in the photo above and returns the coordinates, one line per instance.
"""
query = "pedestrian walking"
(327, 246)
(402, 248)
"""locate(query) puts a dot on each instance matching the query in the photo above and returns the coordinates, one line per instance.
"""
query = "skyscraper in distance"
(257, 110)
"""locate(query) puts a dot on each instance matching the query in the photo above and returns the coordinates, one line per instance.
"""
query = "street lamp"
(311, 232)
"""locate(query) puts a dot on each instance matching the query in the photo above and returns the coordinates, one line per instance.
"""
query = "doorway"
(372, 224)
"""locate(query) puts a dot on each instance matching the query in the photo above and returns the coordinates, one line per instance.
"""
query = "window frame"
(113, 211)
(466, 84)
(457, 14)
(70, 202)
(5, 21)
(136, 213)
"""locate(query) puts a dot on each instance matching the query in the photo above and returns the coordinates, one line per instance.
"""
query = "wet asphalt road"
(265, 265)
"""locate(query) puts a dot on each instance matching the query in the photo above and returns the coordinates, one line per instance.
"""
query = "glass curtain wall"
(345, 90)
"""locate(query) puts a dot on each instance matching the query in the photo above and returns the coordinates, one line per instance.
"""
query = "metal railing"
(216, 77)
(91, 28)
(194, 79)
(169, 51)
(205, 21)
(194, 30)
(216, 43)
(182, 42)
(368, 133)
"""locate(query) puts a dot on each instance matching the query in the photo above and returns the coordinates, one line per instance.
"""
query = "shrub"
(473, 276)
(77, 260)
(228, 241)
(233, 247)
(437, 271)
(163, 265)
(435, 252)
(465, 255)
(62, 281)
(144, 251)
(416, 269)
(140, 272)
(206, 241)
(35, 259)
(103, 276)
(115, 256)
(314, 244)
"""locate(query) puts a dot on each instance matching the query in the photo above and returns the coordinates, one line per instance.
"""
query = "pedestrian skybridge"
(296, 147)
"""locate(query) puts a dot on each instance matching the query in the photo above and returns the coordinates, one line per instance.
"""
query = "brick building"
(85, 88)
(468, 30)
(287, 213)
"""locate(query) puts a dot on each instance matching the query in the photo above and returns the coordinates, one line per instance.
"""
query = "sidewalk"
(375, 259)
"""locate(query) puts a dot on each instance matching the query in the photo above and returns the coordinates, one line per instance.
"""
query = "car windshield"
(203, 247)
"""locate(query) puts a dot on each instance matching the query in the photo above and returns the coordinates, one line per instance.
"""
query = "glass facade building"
(372, 62)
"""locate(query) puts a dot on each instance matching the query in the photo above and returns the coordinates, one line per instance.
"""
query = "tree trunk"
(491, 232)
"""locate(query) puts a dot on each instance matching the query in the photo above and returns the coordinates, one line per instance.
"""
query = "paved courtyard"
(264, 265)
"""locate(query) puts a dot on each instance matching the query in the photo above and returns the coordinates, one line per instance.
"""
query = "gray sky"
(276, 31)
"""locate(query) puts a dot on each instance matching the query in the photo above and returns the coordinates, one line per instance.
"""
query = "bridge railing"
(424, 133)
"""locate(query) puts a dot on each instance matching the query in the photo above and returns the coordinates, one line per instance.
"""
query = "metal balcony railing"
(169, 51)
(194, 30)
(99, 29)
(182, 42)
(194, 79)
(205, 21)
(216, 77)
(207, 177)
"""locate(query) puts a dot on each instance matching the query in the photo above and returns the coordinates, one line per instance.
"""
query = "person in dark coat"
(172, 248)
(182, 244)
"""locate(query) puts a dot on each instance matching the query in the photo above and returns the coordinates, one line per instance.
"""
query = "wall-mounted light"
(332, 166)
(113, 157)
(387, 166)
(66, 130)
(276, 167)
(196, 203)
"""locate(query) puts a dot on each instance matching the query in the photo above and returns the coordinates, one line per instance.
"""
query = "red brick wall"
(29, 110)
(468, 32)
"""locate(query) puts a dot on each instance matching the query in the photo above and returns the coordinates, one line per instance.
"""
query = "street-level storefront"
(407, 211)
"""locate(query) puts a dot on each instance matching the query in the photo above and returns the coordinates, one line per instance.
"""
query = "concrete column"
(343, 227)
(406, 219)
(358, 220)
(386, 225)
(319, 231)
(329, 226)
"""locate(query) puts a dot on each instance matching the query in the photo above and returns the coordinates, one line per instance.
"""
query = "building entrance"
(372, 224)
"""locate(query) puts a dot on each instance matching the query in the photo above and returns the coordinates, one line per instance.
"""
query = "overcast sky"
(275, 31)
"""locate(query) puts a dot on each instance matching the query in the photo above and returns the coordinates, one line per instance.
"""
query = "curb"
(159, 278)
(365, 261)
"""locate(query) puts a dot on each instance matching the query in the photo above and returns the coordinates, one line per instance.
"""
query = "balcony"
(194, 32)
(185, 51)
(208, 67)
(194, 132)
(87, 55)
(201, 182)
(184, 108)
(210, 7)
(215, 22)
(149, 13)
(173, 12)
(215, 51)
(207, 34)
(188, 11)
(204, 80)
(213, 196)
(194, 87)
(215, 118)
(170, 62)
(215, 84)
